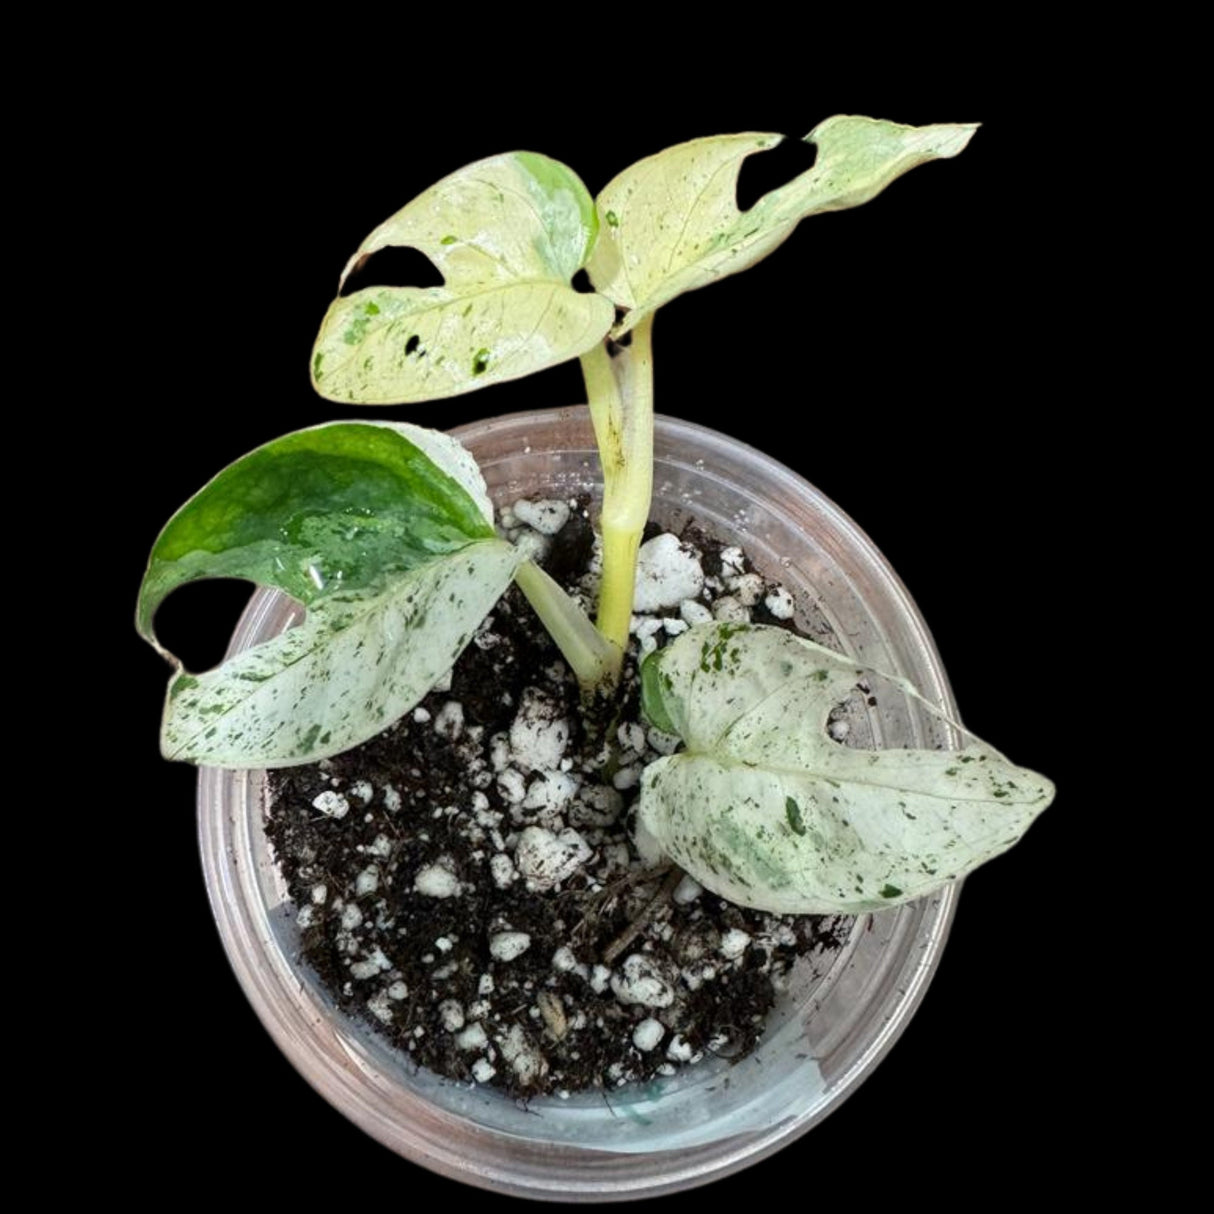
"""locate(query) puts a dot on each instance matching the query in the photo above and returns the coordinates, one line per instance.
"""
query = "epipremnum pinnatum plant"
(384, 531)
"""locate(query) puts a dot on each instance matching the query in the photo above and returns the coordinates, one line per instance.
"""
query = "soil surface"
(467, 882)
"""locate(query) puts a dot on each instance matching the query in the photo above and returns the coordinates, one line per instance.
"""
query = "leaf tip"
(957, 140)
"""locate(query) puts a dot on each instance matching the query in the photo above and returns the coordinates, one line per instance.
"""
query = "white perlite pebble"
(564, 961)
(362, 790)
(502, 870)
(451, 1013)
(734, 942)
(391, 799)
(382, 846)
(320, 893)
(838, 730)
(449, 723)
(600, 977)
(643, 626)
(695, 612)
(505, 946)
(331, 803)
(483, 1070)
(306, 917)
(626, 777)
(780, 603)
(380, 1007)
(371, 966)
(646, 628)
(511, 786)
(732, 559)
(547, 517)
(687, 890)
(748, 587)
(538, 732)
(499, 752)
(640, 981)
(421, 715)
(531, 546)
(667, 573)
(552, 791)
(648, 845)
(436, 881)
(351, 917)
(679, 1050)
(472, 1038)
(648, 1034)
(728, 610)
(367, 882)
(664, 743)
(632, 735)
(398, 991)
(520, 1052)
(596, 805)
(545, 859)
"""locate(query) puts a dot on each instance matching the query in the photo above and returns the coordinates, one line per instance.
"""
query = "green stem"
(620, 390)
(592, 658)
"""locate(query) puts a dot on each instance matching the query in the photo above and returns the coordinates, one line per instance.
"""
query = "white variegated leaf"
(766, 809)
(507, 234)
(671, 223)
(357, 663)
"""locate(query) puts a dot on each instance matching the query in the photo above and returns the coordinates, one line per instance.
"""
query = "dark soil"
(419, 912)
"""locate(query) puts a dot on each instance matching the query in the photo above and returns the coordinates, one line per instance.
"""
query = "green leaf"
(670, 223)
(766, 809)
(507, 234)
(377, 530)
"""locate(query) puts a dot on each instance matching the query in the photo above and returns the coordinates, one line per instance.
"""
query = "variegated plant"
(384, 532)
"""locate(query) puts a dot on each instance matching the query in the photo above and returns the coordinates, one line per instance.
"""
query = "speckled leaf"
(374, 528)
(766, 809)
(507, 234)
(670, 223)
(357, 663)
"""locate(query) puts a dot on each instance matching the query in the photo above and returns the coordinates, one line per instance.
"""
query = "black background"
(897, 356)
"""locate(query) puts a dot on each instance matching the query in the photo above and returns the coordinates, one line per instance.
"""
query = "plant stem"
(619, 385)
(591, 657)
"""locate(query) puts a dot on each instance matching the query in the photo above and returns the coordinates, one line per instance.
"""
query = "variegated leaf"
(377, 530)
(766, 809)
(507, 234)
(670, 223)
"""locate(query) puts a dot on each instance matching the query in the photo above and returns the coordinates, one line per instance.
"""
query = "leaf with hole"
(507, 234)
(765, 808)
(670, 223)
(385, 534)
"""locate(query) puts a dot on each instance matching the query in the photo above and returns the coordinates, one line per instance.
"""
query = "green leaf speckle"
(793, 812)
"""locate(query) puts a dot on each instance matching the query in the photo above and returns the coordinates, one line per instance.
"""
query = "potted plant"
(796, 353)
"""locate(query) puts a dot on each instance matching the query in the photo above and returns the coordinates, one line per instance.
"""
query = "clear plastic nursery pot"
(829, 1031)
